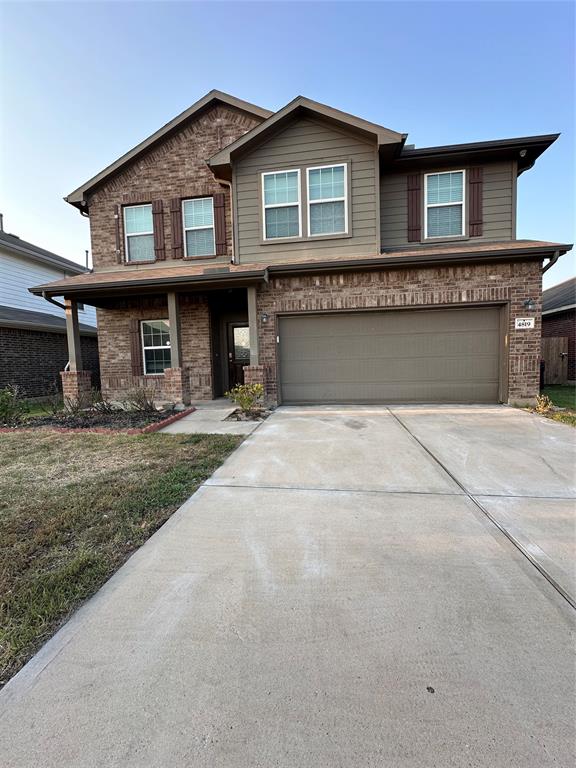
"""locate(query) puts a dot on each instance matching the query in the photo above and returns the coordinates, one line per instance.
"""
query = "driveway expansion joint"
(533, 553)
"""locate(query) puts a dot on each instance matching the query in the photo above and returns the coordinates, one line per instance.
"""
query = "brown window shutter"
(118, 234)
(135, 348)
(158, 227)
(220, 223)
(176, 224)
(475, 184)
(414, 207)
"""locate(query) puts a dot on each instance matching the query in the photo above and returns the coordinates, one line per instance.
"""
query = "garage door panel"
(391, 356)
(389, 346)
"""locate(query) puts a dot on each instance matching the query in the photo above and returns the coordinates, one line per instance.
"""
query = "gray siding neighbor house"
(312, 251)
(33, 347)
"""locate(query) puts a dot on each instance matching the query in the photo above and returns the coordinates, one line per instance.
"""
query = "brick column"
(76, 385)
(176, 386)
(254, 374)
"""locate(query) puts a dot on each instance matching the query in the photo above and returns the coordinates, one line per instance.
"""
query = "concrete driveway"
(354, 587)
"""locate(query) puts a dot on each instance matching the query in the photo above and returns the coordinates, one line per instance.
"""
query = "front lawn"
(73, 507)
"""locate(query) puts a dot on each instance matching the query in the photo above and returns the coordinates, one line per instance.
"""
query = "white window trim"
(444, 205)
(136, 234)
(344, 199)
(193, 229)
(265, 206)
(144, 348)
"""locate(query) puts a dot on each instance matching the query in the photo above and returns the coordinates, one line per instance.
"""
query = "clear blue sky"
(83, 82)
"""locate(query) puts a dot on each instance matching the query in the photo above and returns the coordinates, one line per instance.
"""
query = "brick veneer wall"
(115, 350)
(32, 360)
(455, 285)
(563, 324)
(176, 168)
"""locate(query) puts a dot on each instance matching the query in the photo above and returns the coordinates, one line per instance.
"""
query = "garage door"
(428, 356)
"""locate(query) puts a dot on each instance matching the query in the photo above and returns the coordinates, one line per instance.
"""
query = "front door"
(238, 352)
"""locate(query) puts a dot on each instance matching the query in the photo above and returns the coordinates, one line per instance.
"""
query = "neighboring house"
(315, 252)
(33, 347)
(559, 332)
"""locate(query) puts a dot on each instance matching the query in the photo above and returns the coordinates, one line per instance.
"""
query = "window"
(139, 233)
(198, 217)
(281, 198)
(444, 204)
(155, 346)
(327, 200)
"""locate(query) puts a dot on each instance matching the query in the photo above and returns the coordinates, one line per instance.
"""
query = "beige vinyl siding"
(499, 201)
(301, 144)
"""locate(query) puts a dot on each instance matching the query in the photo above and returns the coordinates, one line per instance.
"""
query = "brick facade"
(32, 360)
(196, 348)
(176, 168)
(452, 286)
(507, 284)
(563, 324)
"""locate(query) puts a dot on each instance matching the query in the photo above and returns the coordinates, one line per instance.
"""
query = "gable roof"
(22, 248)
(560, 297)
(299, 105)
(77, 197)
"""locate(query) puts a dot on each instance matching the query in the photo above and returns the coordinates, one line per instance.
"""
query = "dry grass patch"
(73, 507)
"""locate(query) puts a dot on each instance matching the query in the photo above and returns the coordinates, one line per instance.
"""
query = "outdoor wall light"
(264, 317)
(529, 304)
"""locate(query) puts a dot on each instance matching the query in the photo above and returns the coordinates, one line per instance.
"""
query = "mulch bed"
(130, 422)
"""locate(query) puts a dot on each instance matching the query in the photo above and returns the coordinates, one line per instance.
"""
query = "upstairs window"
(139, 232)
(281, 199)
(327, 200)
(444, 204)
(198, 217)
(155, 346)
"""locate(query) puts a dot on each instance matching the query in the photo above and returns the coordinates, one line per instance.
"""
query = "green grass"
(73, 507)
(562, 396)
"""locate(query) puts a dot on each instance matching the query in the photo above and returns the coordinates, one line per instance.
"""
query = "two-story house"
(33, 347)
(315, 252)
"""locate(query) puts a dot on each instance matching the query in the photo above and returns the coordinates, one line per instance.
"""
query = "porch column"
(73, 335)
(176, 383)
(253, 373)
(253, 325)
(76, 383)
(174, 320)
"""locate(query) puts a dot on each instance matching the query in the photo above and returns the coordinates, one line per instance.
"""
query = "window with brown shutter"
(118, 234)
(475, 186)
(220, 223)
(135, 348)
(176, 225)
(158, 227)
(414, 207)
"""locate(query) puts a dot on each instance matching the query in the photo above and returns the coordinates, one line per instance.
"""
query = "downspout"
(229, 185)
(53, 301)
(552, 261)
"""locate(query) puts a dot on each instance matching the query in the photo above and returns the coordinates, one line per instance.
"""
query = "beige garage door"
(427, 356)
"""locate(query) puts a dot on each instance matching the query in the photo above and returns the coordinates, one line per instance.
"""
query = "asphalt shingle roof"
(561, 295)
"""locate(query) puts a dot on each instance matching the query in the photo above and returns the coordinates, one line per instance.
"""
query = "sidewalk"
(209, 418)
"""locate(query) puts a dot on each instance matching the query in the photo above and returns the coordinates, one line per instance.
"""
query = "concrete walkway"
(332, 597)
(210, 418)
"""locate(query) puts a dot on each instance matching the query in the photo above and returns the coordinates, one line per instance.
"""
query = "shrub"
(247, 396)
(141, 399)
(12, 406)
(543, 404)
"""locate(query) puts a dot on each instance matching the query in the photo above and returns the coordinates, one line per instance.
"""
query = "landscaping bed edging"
(154, 427)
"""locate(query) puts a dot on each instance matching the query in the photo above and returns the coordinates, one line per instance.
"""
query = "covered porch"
(188, 337)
